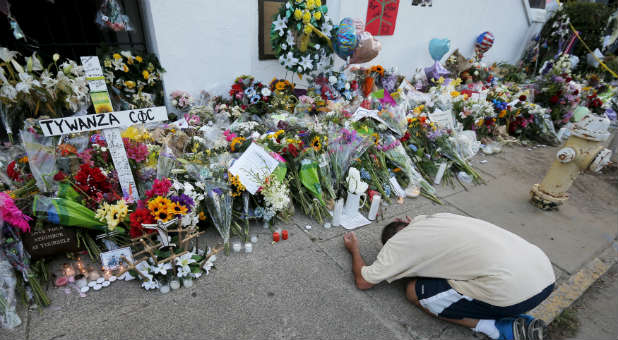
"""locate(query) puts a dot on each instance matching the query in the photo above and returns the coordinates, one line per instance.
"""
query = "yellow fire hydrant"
(582, 150)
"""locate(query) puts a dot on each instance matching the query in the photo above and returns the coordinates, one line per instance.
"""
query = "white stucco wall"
(205, 44)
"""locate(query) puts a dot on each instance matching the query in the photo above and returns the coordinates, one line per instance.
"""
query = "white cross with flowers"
(161, 228)
(108, 122)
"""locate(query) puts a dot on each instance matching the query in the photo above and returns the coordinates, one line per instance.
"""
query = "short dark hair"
(391, 229)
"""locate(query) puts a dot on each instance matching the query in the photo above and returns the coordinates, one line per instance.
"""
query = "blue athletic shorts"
(441, 299)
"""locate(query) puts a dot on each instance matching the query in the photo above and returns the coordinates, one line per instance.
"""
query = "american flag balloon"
(483, 43)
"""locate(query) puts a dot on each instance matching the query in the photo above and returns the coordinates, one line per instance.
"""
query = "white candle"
(248, 247)
(188, 283)
(174, 284)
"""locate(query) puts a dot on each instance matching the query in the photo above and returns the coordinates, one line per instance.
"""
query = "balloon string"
(589, 50)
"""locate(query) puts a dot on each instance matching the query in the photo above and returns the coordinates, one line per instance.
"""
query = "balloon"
(368, 48)
(345, 39)
(438, 48)
(483, 43)
(436, 71)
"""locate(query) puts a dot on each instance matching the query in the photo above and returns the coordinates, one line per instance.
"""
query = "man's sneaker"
(534, 327)
(508, 328)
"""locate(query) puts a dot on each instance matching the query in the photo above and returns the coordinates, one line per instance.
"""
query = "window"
(68, 27)
(537, 4)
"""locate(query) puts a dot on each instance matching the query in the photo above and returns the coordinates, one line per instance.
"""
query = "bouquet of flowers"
(181, 100)
(344, 146)
(218, 201)
(250, 95)
(136, 79)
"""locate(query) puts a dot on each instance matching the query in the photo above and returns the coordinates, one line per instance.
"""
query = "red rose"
(554, 99)
(60, 176)
(522, 98)
(12, 172)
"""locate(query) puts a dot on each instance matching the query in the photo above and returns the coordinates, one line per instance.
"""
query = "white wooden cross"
(161, 228)
(109, 122)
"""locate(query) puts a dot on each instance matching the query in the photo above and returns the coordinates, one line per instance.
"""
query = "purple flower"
(183, 200)
(434, 134)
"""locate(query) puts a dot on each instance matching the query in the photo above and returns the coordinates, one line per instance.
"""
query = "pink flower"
(159, 188)
(229, 136)
(12, 215)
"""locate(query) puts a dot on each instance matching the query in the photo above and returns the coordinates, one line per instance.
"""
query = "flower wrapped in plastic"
(396, 153)
(343, 147)
(218, 201)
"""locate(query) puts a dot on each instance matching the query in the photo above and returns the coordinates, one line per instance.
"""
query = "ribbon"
(588, 48)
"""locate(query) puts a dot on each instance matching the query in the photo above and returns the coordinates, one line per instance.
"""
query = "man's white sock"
(487, 327)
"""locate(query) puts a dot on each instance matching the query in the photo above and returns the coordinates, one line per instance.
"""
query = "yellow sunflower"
(236, 142)
(178, 209)
(316, 144)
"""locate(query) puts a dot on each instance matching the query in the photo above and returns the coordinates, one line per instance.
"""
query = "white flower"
(306, 62)
(8, 91)
(332, 79)
(355, 185)
(7, 55)
(162, 268)
(150, 284)
(126, 54)
(326, 26)
(284, 46)
(266, 92)
(209, 264)
(26, 83)
(196, 275)
(118, 65)
(316, 46)
(183, 263)
(280, 25)
(290, 39)
(288, 60)
(184, 271)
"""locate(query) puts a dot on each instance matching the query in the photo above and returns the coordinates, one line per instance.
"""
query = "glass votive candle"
(61, 281)
(254, 238)
(93, 274)
(107, 274)
(81, 281)
(68, 270)
(188, 283)
(236, 246)
(248, 247)
(174, 284)
(164, 288)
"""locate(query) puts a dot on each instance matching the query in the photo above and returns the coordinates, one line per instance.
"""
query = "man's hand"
(350, 241)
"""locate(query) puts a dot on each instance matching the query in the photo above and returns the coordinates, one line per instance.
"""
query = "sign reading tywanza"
(100, 121)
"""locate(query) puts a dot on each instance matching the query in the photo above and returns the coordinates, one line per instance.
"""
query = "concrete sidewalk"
(303, 287)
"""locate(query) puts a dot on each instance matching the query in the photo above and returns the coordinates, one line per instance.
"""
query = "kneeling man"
(462, 270)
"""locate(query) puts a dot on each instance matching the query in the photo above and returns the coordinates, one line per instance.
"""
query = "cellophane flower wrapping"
(397, 154)
(343, 147)
(42, 159)
(218, 201)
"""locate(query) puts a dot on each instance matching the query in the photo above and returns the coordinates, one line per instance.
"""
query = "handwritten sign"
(444, 119)
(100, 121)
(49, 241)
(253, 166)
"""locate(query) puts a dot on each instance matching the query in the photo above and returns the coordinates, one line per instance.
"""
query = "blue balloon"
(345, 40)
(438, 48)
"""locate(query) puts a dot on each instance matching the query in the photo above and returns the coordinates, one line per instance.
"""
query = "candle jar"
(164, 288)
(276, 236)
(254, 238)
(61, 281)
(81, 281)
(174, 284)
(93, 274)
(187, 282)
(68, 271)
(284, 234)
(80, 266)
(248, 247)
(236, 246)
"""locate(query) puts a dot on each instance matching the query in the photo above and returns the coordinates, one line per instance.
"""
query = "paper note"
(354, 221)
(253, 166)
(444, 119)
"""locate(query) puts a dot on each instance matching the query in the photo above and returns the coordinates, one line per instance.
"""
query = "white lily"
(355, 184)
(162, 268)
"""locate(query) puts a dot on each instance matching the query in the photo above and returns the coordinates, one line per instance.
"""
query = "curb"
(572, 289)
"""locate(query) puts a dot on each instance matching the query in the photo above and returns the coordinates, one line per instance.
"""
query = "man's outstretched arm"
(351, 243)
